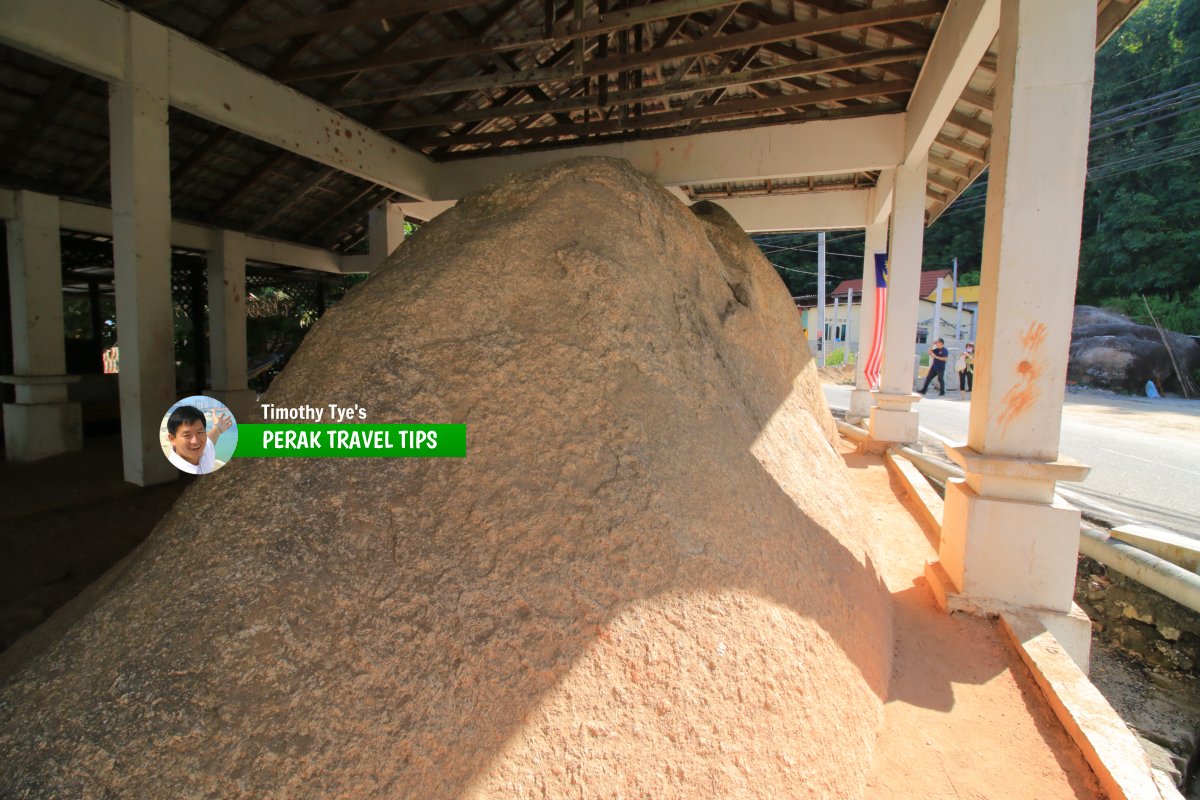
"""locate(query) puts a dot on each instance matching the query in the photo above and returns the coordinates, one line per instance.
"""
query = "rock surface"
(1111, 351)
(647, 579)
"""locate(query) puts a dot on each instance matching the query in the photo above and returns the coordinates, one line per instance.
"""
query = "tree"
(1140, 231)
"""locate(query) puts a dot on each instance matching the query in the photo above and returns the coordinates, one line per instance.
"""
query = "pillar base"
(242, 402)
(892, 419)
(861, 403)
(33, 431)
(1072, 629)
(1010, 552)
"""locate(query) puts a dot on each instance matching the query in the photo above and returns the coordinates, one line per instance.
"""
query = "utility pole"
(837, 318)
(935, 330)
(954, 299)
(849, 321)
(821, 297)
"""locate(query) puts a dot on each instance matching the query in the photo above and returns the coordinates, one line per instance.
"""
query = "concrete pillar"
(227, 323)
(141, 203)
(892, 419)
(385, 231)
(1006, 540)
(41, 422)
(861, 398)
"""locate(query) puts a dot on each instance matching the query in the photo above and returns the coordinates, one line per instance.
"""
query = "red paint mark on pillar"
(1034, 336)
(1021, 396)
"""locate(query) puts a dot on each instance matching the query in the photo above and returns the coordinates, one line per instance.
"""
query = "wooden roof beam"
(732, 108)
(764, 34)
(962, 148)
(333, 21)
(966, 31)
(953, 167)
(972, 124)
(566, 31)
(719, 81)
(904, 31)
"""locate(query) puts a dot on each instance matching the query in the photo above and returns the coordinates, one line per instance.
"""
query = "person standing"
(938, 356)
(965, 364)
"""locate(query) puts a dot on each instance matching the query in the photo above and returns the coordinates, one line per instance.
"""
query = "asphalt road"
(1144, 454)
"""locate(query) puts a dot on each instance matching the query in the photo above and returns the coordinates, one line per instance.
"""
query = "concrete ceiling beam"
(823, 147)
(963, 36)
(808, 211)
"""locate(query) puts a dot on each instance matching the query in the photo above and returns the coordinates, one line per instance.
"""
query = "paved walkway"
(963, 718)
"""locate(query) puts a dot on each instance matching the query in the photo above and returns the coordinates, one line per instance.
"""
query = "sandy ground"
(963, 718)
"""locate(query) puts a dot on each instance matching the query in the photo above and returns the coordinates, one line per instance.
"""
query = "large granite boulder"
(1111, 351)
(649, 577)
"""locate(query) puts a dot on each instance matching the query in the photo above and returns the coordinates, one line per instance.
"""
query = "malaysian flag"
(871, 370)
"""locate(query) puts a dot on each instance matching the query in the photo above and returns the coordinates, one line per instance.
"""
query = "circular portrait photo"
(199, 435)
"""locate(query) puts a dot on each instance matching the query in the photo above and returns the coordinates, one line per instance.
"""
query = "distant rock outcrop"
(1111, 351)
(648, 578)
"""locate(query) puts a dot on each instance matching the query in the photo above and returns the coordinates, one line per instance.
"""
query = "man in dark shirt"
(938, 356)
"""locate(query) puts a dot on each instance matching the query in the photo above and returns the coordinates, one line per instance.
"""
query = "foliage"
(1140, 230)
(968, 278)
(835, 358)
(1175, 313)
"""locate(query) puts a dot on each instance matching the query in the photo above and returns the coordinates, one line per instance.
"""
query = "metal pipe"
(852, 432)
(930, 466)
(1169, 580)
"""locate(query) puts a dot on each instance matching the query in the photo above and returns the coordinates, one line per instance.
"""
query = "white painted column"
(141, 203)
(892, 419)
(1006, 540)
(385, 231)
(837, 319)
(227, 323)
(41, 422)
(861, 398)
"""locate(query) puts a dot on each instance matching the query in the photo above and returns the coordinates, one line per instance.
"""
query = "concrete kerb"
(1119, 761)
(1106, 742)
(930, 506)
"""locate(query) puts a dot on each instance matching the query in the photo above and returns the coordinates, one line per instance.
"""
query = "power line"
(1112, 89)
(807, 272)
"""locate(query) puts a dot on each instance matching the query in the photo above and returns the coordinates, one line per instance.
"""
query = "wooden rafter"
(340, 19)
(12, 144)
(279, 62)
(910, 32)
(963, 148)
(972, 124)
(946, 183)
(764, 34)
(298, 192)
(978, 99)
(730, 108)
(952, 167)
(706, 84)
(834, 41)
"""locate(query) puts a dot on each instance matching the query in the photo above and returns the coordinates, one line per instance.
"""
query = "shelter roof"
(459, 79)
(928, 284)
